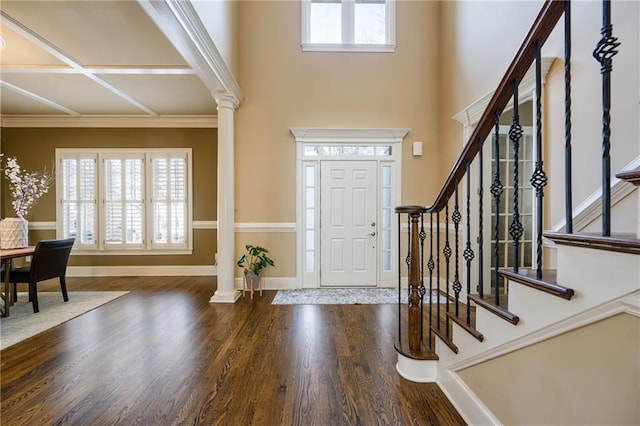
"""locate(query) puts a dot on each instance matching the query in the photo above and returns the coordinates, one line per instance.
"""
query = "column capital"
(226, 100)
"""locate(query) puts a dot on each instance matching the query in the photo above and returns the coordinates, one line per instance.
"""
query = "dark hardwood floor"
(162, 355)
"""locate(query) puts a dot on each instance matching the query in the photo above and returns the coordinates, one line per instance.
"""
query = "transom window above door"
(348, 25)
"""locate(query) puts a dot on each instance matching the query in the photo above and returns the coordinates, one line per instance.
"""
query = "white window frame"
(348, 25)
(148, 247)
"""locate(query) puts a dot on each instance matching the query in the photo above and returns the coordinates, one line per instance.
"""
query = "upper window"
(348, 25)
(124, 201)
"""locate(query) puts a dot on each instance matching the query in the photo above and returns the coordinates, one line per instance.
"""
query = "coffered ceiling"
(103, 58)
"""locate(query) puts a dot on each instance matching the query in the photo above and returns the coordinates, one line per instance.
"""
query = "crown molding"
(320, 135)
(470, 115)
(112, 121)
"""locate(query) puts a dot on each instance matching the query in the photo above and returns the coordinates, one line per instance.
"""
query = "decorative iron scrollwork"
(606, 49)
(539, 178)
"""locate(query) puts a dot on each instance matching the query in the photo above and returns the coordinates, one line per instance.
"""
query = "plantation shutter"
(78, 202)
(169, 198)
(123, 201)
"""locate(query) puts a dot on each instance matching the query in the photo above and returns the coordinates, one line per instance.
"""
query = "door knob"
(373, 234)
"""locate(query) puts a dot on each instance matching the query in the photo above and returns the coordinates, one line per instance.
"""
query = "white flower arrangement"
(26, 188)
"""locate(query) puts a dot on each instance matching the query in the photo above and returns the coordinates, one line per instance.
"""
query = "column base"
(221, 296)
(417, 370)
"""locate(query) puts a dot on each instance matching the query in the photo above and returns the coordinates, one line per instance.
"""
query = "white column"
(226, 292)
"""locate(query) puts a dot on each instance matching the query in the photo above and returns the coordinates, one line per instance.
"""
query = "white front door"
(348, 223)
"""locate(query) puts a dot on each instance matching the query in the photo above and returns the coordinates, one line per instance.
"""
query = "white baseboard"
(591, 208)
(273, 283)
(470, 407)
(141, 271)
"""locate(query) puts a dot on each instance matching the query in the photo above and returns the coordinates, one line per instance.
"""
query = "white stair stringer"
(470, 407)
(605, 283)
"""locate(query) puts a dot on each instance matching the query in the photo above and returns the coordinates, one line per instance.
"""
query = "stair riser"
(597, 275)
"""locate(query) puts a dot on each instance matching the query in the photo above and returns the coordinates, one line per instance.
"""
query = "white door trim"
(392, 137)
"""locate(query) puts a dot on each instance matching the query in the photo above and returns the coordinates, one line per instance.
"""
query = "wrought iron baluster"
(496, 191)
(437, 271)
(539, 178)
(422, 290)
(456, 217)
(604, 52)
(480, 220)
(431, 266)
(568, 185)
(408, 259)
(468, 251)
(447, 258)
(399, 280)
(515, 133)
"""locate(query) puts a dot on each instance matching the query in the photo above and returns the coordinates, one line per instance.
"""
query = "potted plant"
(254, 261)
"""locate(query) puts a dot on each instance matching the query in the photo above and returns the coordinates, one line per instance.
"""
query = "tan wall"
(35, 148)
(479, 40)
(220, 18)
(591, 376)
(286, 87)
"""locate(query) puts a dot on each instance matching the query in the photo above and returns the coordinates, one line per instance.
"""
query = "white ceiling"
(93, 58)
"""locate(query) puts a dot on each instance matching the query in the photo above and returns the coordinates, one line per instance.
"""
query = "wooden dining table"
(6, 257)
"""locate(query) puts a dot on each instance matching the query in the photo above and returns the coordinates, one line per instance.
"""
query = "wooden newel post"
(415, 316)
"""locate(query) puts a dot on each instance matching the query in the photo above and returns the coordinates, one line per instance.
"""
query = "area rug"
(342, 296)
(22, 323)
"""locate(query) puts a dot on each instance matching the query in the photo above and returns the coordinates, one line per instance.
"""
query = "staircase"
(553, 342)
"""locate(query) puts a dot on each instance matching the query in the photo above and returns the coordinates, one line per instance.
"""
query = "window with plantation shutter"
(169, 199)
(78, 183)
(125, 201)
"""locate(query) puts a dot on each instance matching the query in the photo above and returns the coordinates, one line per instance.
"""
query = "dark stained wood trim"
(548, 283)
(620, 244)
(423, 354)
(500, 311)
(411, 209)
(631, 176)
(444, 338)
(469, 328)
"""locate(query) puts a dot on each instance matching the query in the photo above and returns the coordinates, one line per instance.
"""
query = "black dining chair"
(49, 260)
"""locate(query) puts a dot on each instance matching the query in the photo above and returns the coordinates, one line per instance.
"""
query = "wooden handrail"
(542, 27)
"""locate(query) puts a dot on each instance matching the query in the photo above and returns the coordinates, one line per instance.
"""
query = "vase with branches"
(25, 188)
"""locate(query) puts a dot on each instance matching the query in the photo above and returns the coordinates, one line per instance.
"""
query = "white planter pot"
(14, 233)
(253, 280)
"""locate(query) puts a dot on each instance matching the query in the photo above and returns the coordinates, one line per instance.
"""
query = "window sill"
(366, 48)
(89, 252)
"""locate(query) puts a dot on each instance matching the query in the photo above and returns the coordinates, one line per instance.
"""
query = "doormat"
(344, 296)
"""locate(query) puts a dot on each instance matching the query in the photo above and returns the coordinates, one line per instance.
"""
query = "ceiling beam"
(48, 47)
(182, 26)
